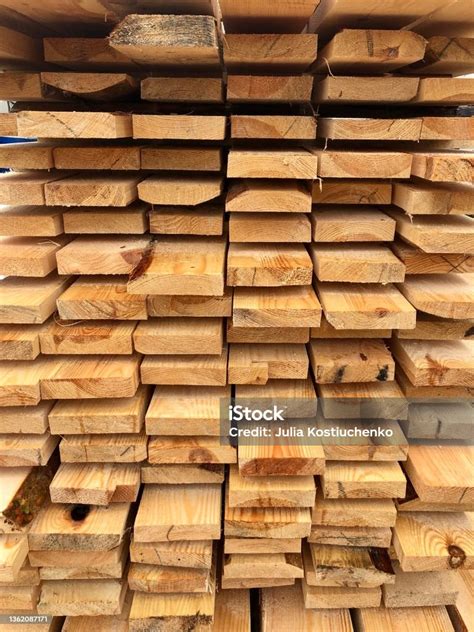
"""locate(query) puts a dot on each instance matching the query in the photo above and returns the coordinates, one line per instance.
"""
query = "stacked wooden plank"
(355, 376)
(435, 371)
(270, 491)
(223, 206)
(93, 346)
(425, 245)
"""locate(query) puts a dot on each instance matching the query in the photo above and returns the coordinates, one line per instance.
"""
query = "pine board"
(29, 257)
(73, 528)
(445, 91)
(108, 255)
(163, 40)
(370, 448)
(370, 128)
(425, 619)
(188, 474)
(271, 227)
(433, 541)
(298, 397)
(363, 164)
(95, 483)
(252, 51)
(273, 126)
(111, 448)
(190, 305)
(443, 167)
(276, 307)
(369, 400)
(266, 265)
(101, 298)
(185, 410)
(25, 420)
(374, 50)
(84, 377)
(417, 261)
(30, 221)
(55, 124)
(182, 89)
(365, 90)
(258, 363)
(287, 335)
(278, 163)
(20, 342)
(354, 512)
(187, 554)
(26, 450)
(275, 522)
(172, 611)
(174, 512)
(268, 196)
(180, 190)
(178, 220)
(183, 266)
(182, 336)
(113, 157)
(178, 127)
(357, 360)
(340, 191)
(98, 337)
(82, 597)
(357, 306)
(272, 491)
(379, 537)
(441, 473)
(434, 588)
(262, 545)
(95, 221)
(333, 598)
(84, 53)
(92, 190)
(348, 223)
(433, 198)
(269, 88)
(19, 189)
(445, 295)
(196, 449)
(436, 363)
(150, 578)
(181, 158)
(353, 479)
(101, 87)
(192, 370)
(26, 156)
(281, 457)
(351, 566)
(444, 235)
(279, 565)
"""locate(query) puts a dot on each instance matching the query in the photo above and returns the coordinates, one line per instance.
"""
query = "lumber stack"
(270, 492)
(216, 206)
(423, 248)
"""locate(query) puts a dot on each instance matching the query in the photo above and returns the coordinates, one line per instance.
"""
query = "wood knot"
(457, 557)
(79, 512)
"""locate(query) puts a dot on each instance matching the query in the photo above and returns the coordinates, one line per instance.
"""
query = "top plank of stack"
(429, 17)
(168, 40)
